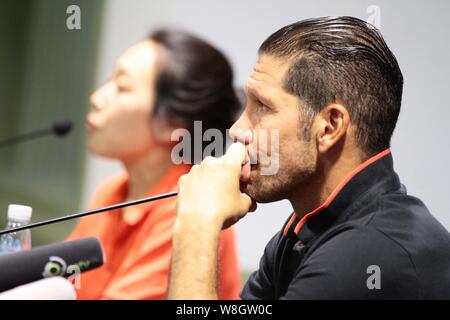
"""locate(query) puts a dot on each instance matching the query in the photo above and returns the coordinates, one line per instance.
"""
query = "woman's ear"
(162, 129)
(333, 123)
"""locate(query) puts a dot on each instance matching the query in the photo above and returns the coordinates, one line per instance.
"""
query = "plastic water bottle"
(21, 240)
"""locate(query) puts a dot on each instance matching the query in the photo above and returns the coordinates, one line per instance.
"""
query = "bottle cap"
(19, 213)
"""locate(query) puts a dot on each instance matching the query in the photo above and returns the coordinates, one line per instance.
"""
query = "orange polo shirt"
(138, 245)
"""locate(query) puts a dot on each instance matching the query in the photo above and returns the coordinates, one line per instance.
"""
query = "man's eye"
(261, 106)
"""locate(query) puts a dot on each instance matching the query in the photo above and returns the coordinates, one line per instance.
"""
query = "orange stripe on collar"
(336, 191)
(289, 224)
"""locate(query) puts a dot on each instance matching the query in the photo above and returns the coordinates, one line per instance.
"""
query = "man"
(332, 89)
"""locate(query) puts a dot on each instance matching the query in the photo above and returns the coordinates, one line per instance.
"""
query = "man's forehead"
(268, 71)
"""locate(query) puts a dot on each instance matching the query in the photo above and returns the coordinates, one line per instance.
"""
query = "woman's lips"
(90, 126)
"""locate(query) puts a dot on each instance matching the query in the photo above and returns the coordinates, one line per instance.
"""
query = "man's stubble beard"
(295, 169)
(292, 174)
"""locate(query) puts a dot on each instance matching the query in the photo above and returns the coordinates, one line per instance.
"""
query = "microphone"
(55, 288)
(62, 259)
(62, 127)
(88, 212)
(59, 128)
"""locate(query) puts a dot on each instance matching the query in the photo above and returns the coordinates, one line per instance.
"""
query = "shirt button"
(299, 246)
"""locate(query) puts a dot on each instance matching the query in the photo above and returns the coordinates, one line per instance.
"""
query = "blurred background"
(48, 72)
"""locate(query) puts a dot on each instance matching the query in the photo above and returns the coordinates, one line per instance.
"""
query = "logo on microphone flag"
(57, 266)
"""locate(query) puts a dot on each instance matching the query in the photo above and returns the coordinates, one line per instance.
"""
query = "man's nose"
(241, 130)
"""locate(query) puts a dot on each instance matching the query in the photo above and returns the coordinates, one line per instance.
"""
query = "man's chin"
(252, 189)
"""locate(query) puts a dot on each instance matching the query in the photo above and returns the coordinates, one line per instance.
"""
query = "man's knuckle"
(209, 160)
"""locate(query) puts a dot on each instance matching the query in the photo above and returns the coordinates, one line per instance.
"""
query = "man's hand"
(210, 192)
(209, 199)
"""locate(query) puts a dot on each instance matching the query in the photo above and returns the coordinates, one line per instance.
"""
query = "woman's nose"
(97, 99)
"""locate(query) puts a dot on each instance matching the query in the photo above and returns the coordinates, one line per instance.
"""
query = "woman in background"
(165, 82)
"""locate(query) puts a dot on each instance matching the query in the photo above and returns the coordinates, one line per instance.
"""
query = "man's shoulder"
(339, 265)
(406, 220)
(400, 237)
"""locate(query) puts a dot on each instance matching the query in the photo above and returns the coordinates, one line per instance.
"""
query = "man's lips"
(245, 171)
(246, 168)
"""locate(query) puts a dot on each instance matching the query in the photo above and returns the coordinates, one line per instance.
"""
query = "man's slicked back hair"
(342, 60)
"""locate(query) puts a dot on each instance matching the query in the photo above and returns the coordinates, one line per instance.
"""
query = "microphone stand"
(26, 136)
(59, 128)
(89, 212)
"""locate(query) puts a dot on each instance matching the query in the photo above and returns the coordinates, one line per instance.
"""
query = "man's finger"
(236, 155)
(246, 202)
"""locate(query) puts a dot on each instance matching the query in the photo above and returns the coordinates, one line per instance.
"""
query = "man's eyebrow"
(263, 98)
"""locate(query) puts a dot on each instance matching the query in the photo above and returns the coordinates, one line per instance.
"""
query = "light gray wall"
(416, 32)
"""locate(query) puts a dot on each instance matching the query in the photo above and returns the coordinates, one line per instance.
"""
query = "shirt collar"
(167, 184)
(372, 177)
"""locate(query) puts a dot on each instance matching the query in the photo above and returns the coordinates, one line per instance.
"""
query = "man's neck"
(330, 172)
(144, 172)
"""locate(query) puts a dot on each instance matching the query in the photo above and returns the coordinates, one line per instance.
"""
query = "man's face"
(270, 110)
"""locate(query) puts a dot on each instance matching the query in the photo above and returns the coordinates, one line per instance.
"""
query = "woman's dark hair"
(195, 82)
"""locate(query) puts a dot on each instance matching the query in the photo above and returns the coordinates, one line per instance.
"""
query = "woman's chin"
(98, 150)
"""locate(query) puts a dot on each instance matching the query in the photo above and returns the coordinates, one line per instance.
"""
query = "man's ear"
(332, 125)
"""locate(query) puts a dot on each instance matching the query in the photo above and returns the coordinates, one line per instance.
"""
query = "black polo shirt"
(369, 240)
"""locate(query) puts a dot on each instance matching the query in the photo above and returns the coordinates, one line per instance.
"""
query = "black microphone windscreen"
(62, 127)
(59, 259)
